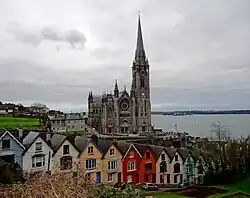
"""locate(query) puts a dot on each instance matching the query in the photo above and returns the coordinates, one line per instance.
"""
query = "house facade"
(131, 165)
(189, 172)
(148, 166)
(112, 165)
(163, 168)
(11, 149)
(176, 169)
(65, 157)
(37, 155)
(68, 123)
(91, 162)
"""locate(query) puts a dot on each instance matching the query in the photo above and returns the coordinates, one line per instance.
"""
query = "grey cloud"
(35, 36)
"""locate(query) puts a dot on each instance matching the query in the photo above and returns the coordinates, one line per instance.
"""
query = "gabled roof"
(141, 148)
(157, 150)
(104, 145)
(123, 146)
(2, 135)
(81, 142)
(132, 146)
(115, 144)
(170, 152)
(184, 153)
(57, 141)
(31, 138)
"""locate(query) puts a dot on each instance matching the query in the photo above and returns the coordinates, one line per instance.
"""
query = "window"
(112, 152)
(163, 157)
(175, 179)
(163, 167)
(176, 158)
(131, 153)
(131, 166)
(5, 144)
(129, 178)
(91, 164)
(143, 128)
(177, 168)
(148, 155)
(66, 162)
(90, 150)
(110, 130)
(111, 165)
(146, 178)
(65, 149)
(200, 169)
(110, 177)
(148, 167)
(124, 129)
(181, 178)
(142, 81)
(38, 146)
(38, 161)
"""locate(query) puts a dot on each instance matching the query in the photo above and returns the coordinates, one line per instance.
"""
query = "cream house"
(112, 165)
(65, 157)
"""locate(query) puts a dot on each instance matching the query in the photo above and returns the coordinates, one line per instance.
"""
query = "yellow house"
(112, 165)
(92, 149)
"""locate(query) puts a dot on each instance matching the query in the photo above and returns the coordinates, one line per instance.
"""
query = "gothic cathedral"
(121, 112)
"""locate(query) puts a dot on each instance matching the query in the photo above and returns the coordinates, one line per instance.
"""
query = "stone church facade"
(122, 112)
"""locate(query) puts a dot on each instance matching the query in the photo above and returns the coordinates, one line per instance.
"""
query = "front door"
(168, 178)
(98, 177)
(119, 177)
(137, 178)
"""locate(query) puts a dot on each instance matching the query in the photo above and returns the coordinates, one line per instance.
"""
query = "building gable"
(73, 151)
(131, 147)
(109, 154)
(91, 151)
(167, 159)
(32, 147)
(8, 135)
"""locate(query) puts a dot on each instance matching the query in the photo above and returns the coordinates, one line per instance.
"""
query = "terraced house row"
(103, 161)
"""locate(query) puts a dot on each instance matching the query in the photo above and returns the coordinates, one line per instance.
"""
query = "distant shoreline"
(211, 112)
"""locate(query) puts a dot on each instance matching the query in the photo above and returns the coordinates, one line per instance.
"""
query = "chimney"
(20, 133)
(48, 135)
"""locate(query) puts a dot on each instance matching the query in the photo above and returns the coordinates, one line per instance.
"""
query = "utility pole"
(49, 161)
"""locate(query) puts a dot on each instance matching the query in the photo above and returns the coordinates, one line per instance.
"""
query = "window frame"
(4, 147)
(90, 150)
(112, 153)
(36, 147)
(66, 146)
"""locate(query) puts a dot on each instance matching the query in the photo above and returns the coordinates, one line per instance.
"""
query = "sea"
(200, 125)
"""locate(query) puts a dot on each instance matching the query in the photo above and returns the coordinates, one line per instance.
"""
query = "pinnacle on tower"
(116, 90)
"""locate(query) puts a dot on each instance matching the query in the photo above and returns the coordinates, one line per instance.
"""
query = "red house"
(147, 165)
(131, 165)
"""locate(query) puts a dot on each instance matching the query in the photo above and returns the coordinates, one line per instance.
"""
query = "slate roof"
(141, 148)
(30, 138)
(170, 151)
(184, 153)
(123, 146)
(157, 150)
(6, 106)
(104, 145)
(57, 140)
(81, 142)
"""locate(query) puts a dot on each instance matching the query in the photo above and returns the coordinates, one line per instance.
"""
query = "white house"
(175, 166)
(37, 155)
(65, 156)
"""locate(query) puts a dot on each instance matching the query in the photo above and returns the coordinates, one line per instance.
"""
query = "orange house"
(148, 164)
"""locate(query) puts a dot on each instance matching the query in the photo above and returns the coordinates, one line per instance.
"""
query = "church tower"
(140, 88)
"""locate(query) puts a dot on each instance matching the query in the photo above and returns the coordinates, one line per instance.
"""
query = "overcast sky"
(54, 52)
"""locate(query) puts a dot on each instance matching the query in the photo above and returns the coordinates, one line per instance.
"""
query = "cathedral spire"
(116, 91)
(139, 44)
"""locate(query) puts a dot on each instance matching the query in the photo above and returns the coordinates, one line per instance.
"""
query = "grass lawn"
(243, 186)
(162, 195)
(12, 122)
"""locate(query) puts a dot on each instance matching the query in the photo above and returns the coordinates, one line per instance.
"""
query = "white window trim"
(112, 165)
(112, 153)
(130, 167)
(35, 161)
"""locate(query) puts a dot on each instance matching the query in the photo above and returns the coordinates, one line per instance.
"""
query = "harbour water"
(199, 125)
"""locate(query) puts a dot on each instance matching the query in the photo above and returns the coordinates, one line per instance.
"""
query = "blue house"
(11, 149)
